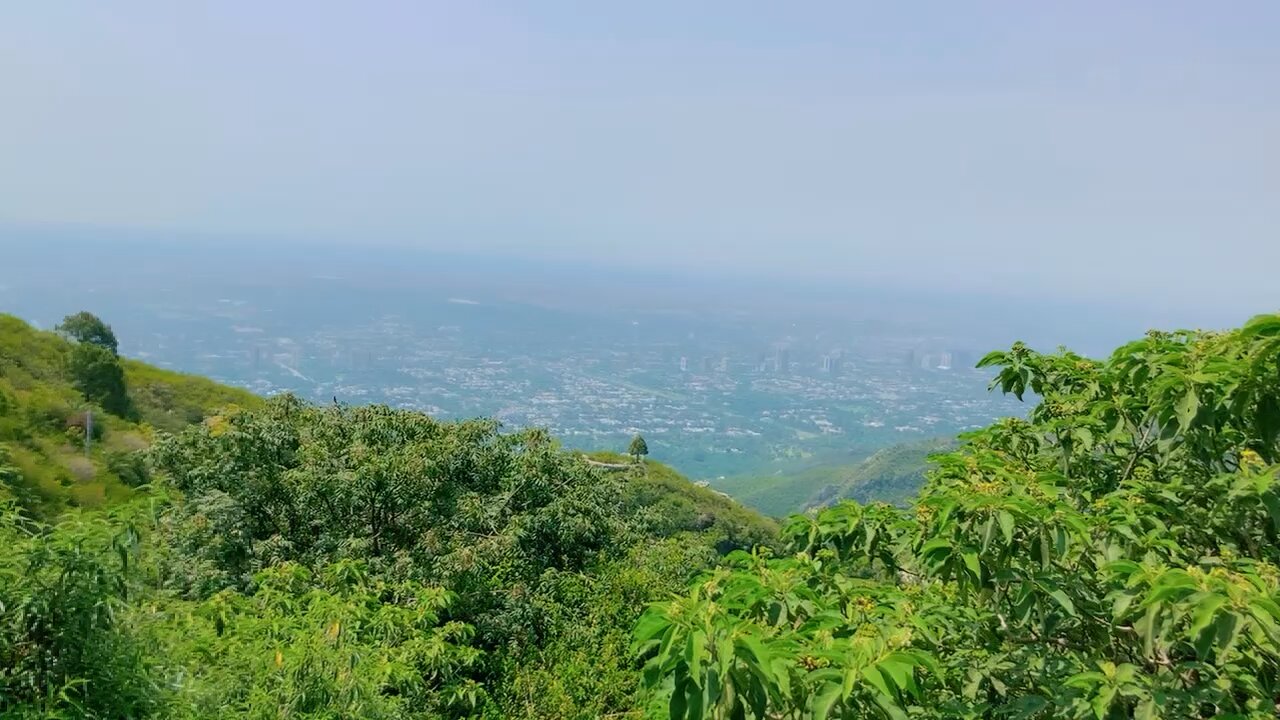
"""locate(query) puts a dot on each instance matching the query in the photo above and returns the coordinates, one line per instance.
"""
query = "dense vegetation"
(1112, 556)
(278, 559)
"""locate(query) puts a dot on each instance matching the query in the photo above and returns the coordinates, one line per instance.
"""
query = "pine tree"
(638, 448)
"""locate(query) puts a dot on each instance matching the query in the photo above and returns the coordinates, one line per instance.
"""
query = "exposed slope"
(42, 422)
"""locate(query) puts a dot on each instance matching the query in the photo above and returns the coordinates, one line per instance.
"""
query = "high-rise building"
(724, 364)
(926, 361)
(684, 364)
(944, 361)
(782, 361)
(707, 364)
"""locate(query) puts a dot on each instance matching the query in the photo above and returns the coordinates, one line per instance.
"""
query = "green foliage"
(87, 328)
(332, 643)
(1115, 556)
(298, 561)
(548, 559)
(93, 363)
(42, 416)
(129, 466)
(582, 666)
(10, 477)
(458, 504)
(66, 649)
(638, 448)
(96, 372)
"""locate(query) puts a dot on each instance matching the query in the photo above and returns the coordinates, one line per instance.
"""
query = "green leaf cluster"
(1112, 556)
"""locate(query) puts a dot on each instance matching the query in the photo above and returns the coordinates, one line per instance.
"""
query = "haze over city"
(1009, 149)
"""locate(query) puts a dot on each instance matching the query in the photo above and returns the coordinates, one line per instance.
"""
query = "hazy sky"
(1108, 148)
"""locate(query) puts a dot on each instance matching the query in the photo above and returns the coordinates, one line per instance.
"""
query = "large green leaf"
(824, 699)
(1187, 407)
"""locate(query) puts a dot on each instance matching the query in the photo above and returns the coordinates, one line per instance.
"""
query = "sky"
(1117, 151)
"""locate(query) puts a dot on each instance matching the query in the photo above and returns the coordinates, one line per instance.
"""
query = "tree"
(638, 448)
(96, 372)
(478, 510)
(85, 327)
(95, 364)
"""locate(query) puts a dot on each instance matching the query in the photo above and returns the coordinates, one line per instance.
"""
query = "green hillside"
(677, 504)
(891, 475)
(782, 492)
(43, 417)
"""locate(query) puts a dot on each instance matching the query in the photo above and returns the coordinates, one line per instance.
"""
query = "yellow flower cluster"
(217, 425)
(1269, 574)
(809, 662)
(901, 637)
(1249, 458)
(863, 603)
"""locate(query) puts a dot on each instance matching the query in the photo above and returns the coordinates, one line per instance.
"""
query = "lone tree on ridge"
(638, 448)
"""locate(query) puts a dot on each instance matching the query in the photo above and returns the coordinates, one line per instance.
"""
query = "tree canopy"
(638, 447)
(94, 364)
(85, 327)
(98, 375)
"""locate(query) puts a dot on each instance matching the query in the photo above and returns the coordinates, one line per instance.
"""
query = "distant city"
(713, 406)
(719, 389)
